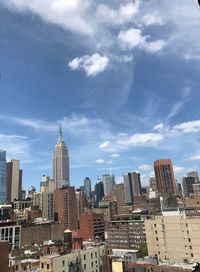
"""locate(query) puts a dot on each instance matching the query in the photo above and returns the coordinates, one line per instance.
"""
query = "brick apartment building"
(92, 225)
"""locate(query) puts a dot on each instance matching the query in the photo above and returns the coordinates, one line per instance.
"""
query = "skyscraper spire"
(60, 136)
(61, 162)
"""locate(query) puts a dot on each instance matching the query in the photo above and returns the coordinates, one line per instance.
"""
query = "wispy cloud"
(179, 105)
(66, 14)
(152, 19)
(145, 167)
(194, 158)
(104, 145)
(188, 127)
(16, 146)
(124, 14)
(100, 161)
(115, 155)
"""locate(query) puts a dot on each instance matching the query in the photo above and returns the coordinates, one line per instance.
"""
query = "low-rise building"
(4, 256)
(127, 232)
(38, 233)
(11, 232)
(174, 236)
(88, 260)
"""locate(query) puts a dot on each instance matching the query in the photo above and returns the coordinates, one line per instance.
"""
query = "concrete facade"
(174, 237)
(88, 260)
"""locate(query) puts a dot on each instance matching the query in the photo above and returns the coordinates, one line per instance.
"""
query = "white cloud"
(69, 14)
(104, 145)
(115, 155)
(123, 15)
(142, 139)
(92, 65)
(132, 38)
(154, 46)
(100, 161)
(188, 127)
(194, 158)
(159, 127)
(145, 167)
(179, 170)
(152, 19)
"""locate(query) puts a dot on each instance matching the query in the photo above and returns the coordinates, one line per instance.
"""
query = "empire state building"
(61, 162)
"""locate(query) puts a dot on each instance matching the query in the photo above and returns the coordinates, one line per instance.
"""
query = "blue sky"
(122, 77)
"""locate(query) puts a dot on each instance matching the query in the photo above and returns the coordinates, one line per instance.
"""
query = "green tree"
(142, 251)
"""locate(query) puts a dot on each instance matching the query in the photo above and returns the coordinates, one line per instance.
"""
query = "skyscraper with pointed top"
(61, 162)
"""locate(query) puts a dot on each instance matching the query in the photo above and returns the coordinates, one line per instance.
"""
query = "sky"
(121, 77)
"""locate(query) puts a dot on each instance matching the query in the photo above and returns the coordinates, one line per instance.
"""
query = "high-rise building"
(132, 186)
(87, 187)
(99, 191)
(118, 195)
(82, 202)
(188, 185)
(65, 207)
(61, 163)
(108, 183)
(47, 184)
(165, 176)
(152, 183)
(44, 200)
(194, 175)
(3, 189)
(14, 181)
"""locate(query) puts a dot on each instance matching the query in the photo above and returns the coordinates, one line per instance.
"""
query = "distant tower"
(14, 181)
(3, 190)
(99, 191)
(132, 186)
(165, 177)
(61, 163)
(87, 187)
(108, 183)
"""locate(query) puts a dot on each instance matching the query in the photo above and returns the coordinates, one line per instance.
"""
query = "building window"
(63, 263)
(84, 266)
(84, 257)
(42, 265)
(91, 255)
(192, 255)
(47, 266)
(189, 240)
(190, 247)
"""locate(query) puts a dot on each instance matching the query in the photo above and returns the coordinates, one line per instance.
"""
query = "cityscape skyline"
(122, 89)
